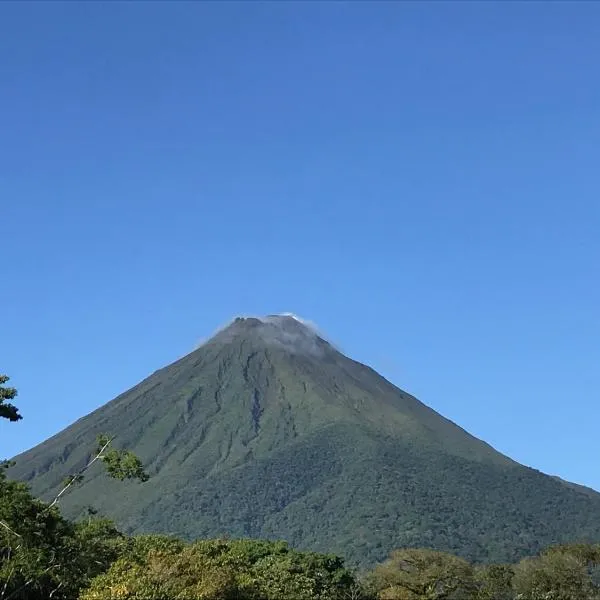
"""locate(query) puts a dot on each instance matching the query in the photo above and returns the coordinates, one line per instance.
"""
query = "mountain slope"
(268, 431)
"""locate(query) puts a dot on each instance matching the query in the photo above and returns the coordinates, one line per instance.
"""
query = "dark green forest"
(45, 555)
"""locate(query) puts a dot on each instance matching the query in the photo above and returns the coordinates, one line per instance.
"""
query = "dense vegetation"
(7, 409)
(268, 432)
(44, 555)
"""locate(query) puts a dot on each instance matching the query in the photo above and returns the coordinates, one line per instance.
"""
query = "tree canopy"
(156, 568)
(7, 410)
(42, 554)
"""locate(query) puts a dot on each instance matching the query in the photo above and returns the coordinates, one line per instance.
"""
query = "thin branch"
(3, 594)
(56, 589)
(29, 582)
(81, 472)
(8, 528)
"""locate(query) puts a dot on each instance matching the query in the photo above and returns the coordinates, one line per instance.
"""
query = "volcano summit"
(267, 430)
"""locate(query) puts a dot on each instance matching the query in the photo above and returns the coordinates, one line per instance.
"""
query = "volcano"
(268, 431)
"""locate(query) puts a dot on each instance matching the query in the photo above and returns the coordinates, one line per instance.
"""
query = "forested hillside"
(267, 431)
(45, 555)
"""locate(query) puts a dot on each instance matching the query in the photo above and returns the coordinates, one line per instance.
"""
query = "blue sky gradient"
(419, 179)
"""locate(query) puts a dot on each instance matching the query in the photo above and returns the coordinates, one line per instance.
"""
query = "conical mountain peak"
(284, 331)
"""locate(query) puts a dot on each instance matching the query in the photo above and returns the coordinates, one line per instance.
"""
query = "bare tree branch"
(8, 528)
(4, 588)
(76, 477)
(27, 583)
(55, 589)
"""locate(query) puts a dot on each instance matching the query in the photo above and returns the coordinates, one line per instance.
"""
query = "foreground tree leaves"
(568, 572)
(7, 410)
(416, 574)
(560, 573)
(494, 582)
(120, 464)
(43, 555)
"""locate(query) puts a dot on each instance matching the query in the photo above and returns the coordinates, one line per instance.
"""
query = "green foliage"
(7, 410)
(588, 554)
(494, 582)
(219, 570)
(120, 464)
(556, 575)
(42, 555)
(162, 573)
(416, 574)
(139, 546)
(565, 572)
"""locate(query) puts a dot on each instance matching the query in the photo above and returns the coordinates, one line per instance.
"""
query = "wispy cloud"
(307, 338)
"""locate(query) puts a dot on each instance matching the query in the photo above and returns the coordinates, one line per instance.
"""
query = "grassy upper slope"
(267, 431)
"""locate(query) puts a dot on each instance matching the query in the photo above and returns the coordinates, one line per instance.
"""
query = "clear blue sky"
(421, 180)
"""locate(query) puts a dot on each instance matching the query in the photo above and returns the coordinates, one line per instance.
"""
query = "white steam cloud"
(288, 330)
